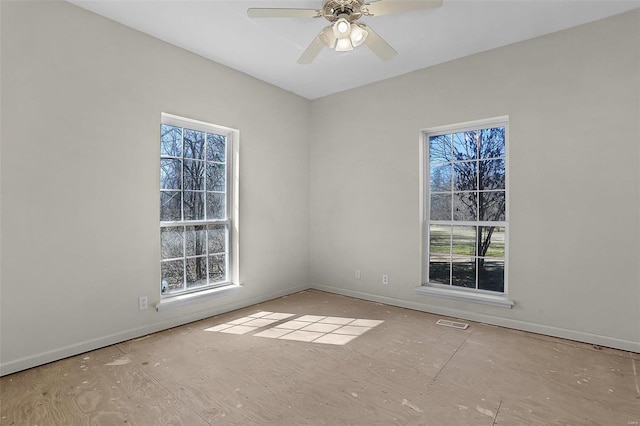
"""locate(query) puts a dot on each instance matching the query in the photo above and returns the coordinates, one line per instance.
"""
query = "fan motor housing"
(332, 10)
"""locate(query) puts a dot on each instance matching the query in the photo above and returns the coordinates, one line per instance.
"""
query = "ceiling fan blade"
(378, 45)
(282, 13)
(386, 7)
(312, 51)
(325, 38)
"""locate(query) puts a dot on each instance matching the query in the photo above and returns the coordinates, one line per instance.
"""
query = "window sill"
(186, 299)
(465, 296)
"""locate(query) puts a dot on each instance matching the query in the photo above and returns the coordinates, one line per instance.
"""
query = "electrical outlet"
(142, 302)
(358, 276)
(385, 279)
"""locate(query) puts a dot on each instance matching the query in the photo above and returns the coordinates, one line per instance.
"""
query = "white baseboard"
(611, 342)
(100, 342)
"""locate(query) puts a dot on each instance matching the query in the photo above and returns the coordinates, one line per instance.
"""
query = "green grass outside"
(464, 241)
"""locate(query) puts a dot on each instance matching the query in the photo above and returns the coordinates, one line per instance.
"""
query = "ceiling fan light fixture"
(358, 35)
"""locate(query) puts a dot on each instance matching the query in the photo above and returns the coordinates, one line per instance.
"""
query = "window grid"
(482, 229)
(205, 218)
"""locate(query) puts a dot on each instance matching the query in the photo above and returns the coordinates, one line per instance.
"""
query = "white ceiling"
(269, 48)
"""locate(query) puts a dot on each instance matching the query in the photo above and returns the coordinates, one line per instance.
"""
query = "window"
(466, 207)
(195, 203)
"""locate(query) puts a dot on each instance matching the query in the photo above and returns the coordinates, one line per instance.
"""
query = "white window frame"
(230, 221)
(450, 291)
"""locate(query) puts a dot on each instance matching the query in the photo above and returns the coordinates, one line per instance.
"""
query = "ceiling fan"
(345, 33)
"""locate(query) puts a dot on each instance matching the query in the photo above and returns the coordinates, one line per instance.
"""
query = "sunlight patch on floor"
(306, 328)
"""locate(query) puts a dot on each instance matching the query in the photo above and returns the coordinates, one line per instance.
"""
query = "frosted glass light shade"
(344, 45)
(341, 28)
(327, 37)
(358, 35)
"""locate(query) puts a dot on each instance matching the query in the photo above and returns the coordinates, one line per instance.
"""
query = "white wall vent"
(453, 324)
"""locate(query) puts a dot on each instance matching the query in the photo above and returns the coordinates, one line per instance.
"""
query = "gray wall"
(572, 98)
(81, 98)
(81, 102)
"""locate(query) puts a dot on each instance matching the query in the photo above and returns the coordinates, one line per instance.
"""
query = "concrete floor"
(333, 361)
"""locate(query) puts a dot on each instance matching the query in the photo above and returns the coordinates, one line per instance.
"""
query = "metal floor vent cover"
(453, 324)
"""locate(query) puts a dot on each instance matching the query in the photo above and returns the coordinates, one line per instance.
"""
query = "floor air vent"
(453, 324)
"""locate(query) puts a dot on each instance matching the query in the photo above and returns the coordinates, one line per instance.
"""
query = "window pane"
(465, 176)
(464, 206)
(216, 208)
(467, 189)
(491, 274)
(464, 240)
(193, 187)
(440, 148)
(170, 141)
(216, 177)
(463, 272)
(492, 239)
(217, 268)
(172, 276)
(170, 206)
(194, 175)
(216, 145)
(492, 143)
(217, 238)
(193, 205)
(441, 178)
(492, 173)
(193, 144)
(492, 206)
(196, 241)
(440, 207)
(440, 239)
(196, 271)
(170, 174)
(439, 269)
(172, 242)
(465, 145)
